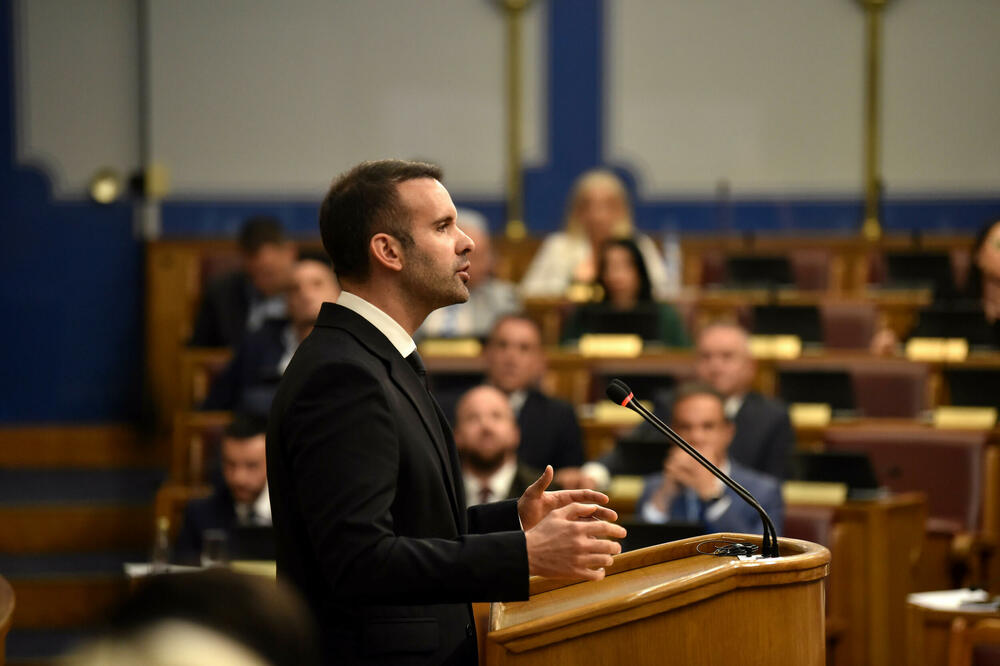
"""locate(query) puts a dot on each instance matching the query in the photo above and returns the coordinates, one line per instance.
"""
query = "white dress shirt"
(499, 484)
(261, 510)
(389, 327)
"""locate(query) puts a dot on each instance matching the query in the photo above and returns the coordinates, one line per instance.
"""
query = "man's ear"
(386, 251)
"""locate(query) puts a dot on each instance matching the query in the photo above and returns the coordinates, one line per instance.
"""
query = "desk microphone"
(620, 393)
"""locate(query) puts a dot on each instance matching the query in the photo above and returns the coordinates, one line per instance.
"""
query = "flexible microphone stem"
(769, 542)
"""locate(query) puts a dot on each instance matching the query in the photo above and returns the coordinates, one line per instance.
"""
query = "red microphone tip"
(626, 400)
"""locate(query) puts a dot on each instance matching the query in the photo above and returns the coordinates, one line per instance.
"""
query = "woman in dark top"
(975, 313)
(627, 304)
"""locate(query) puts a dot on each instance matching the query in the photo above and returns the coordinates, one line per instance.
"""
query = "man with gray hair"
(489, 297)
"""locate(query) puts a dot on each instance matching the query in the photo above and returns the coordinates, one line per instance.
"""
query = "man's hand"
(685, 470)
(570, 543)
(535, 504)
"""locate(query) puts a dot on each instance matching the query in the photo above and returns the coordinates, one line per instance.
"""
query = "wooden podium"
(672, 604)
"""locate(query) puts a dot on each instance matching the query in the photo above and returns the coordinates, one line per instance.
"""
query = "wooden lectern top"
(648, 582)
(6, 614)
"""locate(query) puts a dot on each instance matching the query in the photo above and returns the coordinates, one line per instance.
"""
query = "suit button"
(469, 631)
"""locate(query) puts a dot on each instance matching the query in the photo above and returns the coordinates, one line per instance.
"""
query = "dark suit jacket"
(216, 512)
(764, 438)
(739, 516)
(366, 492)
(222, 316)
(550, 433)
(249, 381)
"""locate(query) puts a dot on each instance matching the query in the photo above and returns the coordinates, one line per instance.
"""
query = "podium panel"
(673, 602)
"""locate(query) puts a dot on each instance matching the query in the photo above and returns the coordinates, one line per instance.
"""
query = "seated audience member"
(598, 210)
(764, 438)
(974, 314)
(487, 436)
(627, 304)
(550, 434)
(240, 302)
(207, 618)
(686, 491)
(489, 297)
(250, 379)
(241, 500)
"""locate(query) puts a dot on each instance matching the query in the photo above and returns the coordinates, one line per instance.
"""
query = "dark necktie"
(485, 495)
(417, 364)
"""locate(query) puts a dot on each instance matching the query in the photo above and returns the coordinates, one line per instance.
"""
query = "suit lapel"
(337, 316)
(434, 423)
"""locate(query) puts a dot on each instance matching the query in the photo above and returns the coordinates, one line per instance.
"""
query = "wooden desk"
(6, 616)
(882, 542)
(928, 632)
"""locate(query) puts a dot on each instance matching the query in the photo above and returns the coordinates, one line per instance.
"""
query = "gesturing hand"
(570, 543)
(536, 502)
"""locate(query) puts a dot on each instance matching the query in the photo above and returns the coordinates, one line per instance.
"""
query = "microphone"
(619, 392)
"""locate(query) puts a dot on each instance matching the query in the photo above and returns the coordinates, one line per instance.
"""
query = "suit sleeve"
(187, 547)
(206, 324)
(342, 447)
(570, 440)
(224, 393)
(781, 443)
(494, 517)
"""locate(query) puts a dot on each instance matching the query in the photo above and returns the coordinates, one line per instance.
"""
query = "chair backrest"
(888, 389)
(848, 325)
(196, 440)
(975, 645)
(199, 367)
(800, 320)
(811, 268)
(646, 377)
(947, 465)
(819, 384)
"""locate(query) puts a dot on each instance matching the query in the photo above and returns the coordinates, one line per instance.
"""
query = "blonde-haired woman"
(598, 211)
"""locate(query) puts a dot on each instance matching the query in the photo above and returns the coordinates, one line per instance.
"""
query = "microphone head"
(618, 392)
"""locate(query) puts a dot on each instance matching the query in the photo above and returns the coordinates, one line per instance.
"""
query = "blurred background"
(137, 137)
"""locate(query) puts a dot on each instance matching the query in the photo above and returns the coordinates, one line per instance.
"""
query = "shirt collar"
(388, 326)
(499, 484)
(261, 508)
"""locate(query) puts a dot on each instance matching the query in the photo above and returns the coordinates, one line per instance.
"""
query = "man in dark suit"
(240, 302)
(240, 500)
(550, 433)
(366, 490)
(487, 438)
(250, 379)
(686, 491)
(764, 437)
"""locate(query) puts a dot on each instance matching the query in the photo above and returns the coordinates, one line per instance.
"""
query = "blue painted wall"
(71, 341)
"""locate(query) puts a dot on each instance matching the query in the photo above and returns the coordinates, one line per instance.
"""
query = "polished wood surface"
(670, 601)
(97, 445)
(74, 528)
(6, 615)
(879, 551)
(929, 632)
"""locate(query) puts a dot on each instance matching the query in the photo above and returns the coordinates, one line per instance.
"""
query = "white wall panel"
(276, 98)
(76, 89)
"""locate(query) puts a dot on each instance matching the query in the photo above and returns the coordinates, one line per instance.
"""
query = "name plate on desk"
(777, 347)
(968, 418)
(810, 414)
(937, 349)
(464, 347)
(609, 412)
(814, 492)
(604, 345)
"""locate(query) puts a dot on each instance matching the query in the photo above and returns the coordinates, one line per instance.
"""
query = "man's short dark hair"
(690, 389)
(315, 255)
(245, 426)
(364, 202)
(258, 231)
(514, 316)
